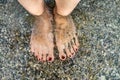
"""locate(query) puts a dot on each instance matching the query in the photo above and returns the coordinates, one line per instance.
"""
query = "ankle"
(36, 12)
(63, 12)
(33, 7)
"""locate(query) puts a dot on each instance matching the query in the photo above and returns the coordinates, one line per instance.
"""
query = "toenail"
(72, 53)
(76, 49)
(49, 59)
(63, 57)
(41, 59)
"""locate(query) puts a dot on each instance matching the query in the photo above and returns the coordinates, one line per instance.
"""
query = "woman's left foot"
(65, 35)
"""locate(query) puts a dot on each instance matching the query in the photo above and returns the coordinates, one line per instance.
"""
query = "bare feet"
(65, 34)
(42, 37)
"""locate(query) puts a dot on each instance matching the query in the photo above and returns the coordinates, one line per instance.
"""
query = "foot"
(42, 37)
(65, 34)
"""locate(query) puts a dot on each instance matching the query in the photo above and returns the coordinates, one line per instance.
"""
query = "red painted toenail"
(69, 55)
(50, 59)
(63, 57)
(72, 53)
(41, 58)
(76, 49)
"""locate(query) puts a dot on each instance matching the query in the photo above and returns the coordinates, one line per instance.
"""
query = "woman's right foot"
(42, 37)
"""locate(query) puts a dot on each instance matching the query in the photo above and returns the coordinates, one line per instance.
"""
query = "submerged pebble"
(99, 35)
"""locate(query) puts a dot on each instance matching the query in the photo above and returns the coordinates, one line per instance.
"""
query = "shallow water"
(98, 27)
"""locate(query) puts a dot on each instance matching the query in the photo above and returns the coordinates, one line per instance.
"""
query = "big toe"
(50, 57)
(62, 56)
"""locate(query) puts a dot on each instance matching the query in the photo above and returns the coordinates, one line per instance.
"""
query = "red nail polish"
(63, 57)
(76, 50)
(39, 59)
(72, 53)
(50, 59)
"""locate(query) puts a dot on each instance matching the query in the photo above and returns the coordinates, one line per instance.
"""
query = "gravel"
(98, 27)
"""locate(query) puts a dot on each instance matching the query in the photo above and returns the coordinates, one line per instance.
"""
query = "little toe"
(36, 53)
(32, 49)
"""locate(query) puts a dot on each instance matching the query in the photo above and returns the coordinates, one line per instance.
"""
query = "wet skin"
(42, 37)
(65, 35)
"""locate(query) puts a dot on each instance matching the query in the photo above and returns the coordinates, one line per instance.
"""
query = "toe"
(72, 51)
(32, 49)
(44, 57)
(68, 53)
(75, 48)
(62, 56)
(50, 57)
(76, 41)
(36, 53)
(40, 56)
